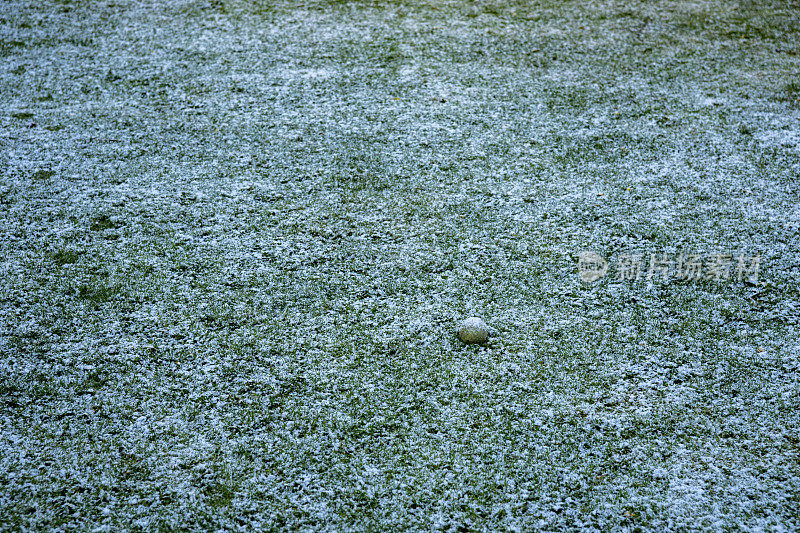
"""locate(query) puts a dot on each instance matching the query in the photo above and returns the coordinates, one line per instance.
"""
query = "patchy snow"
(238, 238)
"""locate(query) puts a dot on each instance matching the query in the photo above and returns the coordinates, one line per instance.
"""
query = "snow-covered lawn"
(238, 238)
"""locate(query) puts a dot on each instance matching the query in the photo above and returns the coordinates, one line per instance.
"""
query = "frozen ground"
(237, 238)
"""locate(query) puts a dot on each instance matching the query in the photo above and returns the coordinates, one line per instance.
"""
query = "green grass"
(236, 250)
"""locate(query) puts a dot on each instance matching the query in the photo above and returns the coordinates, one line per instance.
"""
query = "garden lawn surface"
(238, 238)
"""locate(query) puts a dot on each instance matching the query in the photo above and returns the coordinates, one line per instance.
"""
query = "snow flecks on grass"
(238, 238)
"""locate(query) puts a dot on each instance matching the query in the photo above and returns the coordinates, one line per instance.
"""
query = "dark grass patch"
(10, 46)
(99, 293)
(43, 174)
(22, 115)
(790, 93)
(103, 222)
(218, 494)
(66, 256)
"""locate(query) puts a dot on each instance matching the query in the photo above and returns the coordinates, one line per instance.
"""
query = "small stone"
(473, 330)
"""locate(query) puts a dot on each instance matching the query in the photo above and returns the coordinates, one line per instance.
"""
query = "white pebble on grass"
(473, 330)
